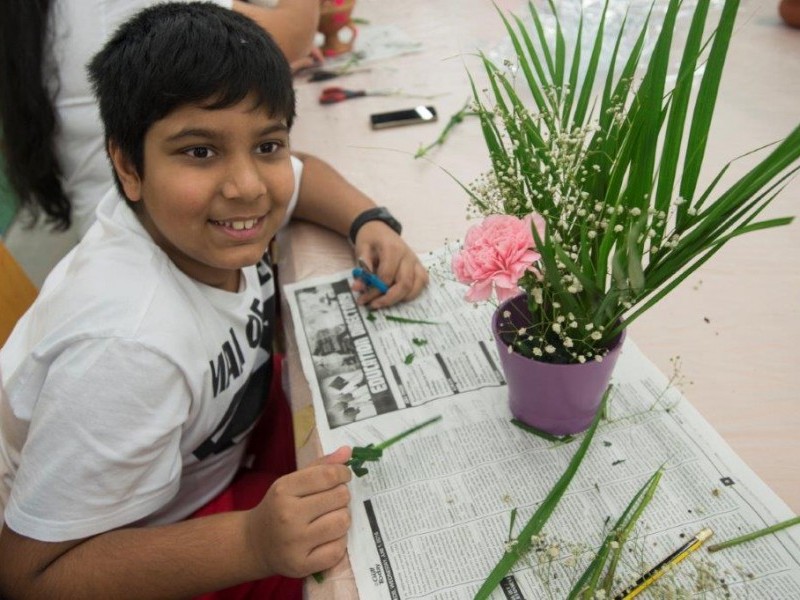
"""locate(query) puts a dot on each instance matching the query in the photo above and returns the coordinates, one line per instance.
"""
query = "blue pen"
(364, 273)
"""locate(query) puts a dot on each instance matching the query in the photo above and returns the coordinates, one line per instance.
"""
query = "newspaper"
(432, 517)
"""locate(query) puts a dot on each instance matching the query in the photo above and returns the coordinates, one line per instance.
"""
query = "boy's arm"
(329, 200)
(298, 528)
(292, 24)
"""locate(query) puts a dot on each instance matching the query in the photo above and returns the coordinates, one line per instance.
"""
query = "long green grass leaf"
(587, 84)
(681, 95)
(704, 111)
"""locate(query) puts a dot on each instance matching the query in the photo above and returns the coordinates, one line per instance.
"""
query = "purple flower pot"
(559, 399)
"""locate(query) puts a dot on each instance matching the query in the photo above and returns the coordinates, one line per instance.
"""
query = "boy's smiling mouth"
(241, 230)
(238, 224)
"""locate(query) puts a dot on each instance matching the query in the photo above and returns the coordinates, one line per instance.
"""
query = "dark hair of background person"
(177, 54)
(28, 120)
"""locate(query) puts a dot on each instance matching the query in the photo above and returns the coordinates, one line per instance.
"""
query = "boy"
(130, 388)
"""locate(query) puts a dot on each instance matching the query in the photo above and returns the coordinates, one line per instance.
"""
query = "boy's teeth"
(239, 225)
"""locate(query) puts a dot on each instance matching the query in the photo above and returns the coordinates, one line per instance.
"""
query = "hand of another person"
(315, 58)
(300, 526)
(390, 258)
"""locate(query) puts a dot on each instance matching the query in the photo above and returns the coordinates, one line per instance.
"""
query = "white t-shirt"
(79, 30)
(128, 390)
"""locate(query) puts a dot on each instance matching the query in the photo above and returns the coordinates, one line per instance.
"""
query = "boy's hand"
(300, 526)
(390, 258)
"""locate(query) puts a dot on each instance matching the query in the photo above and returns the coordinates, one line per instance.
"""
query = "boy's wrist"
(248, 525)
(378, 213)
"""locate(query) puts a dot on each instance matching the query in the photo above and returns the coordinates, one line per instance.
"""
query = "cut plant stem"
(542, 434)
(754, 535)
(373, 453)
(406, 320)
(454, 120)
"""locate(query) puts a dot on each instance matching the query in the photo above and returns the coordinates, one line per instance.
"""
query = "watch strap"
(379, 213)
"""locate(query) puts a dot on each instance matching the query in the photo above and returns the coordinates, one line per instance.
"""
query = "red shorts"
(272, 446)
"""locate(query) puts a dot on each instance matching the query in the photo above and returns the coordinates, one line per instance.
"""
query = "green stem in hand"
(371, 452)
(756, 534)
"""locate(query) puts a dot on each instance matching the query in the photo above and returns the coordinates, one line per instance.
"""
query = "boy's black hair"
(175, 54)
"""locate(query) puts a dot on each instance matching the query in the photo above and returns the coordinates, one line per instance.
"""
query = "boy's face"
(214, 189)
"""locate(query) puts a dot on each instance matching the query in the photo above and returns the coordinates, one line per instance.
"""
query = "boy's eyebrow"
(199, 132)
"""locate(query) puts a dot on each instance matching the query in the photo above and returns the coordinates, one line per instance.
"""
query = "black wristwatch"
(379, 213)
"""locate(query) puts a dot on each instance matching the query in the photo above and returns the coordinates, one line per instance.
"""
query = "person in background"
(51, 135)
(145, 448)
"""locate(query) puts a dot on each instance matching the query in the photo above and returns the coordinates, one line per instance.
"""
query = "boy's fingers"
(323, 474)
(328, 555)
(410, 280)
(312, 480)
(326, 503)
(338, 457)
(330, 526)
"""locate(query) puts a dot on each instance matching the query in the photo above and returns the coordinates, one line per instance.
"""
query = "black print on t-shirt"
(229, 364)
(248, 402)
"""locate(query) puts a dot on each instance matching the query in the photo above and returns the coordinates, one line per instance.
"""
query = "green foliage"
(615, 173)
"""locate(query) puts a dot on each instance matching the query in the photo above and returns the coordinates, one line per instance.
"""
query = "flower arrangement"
(592, 206)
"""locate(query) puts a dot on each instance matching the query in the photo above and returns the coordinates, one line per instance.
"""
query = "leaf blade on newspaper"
(397, 319)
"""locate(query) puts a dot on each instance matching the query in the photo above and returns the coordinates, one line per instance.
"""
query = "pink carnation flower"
(495, 254)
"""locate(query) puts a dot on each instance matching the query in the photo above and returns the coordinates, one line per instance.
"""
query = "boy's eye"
(199, 152)
(269, 147)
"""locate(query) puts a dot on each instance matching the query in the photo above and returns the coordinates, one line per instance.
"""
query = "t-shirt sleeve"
(297, 168)
(103, 447)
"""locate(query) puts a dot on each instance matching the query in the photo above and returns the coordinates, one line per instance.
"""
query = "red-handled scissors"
(331, 95)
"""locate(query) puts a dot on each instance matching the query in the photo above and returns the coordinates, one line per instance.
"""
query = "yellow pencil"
(665, 565)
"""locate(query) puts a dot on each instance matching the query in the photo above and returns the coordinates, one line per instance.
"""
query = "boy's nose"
(243, 180)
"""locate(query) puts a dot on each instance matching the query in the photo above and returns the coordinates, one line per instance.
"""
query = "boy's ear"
(126, 171)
